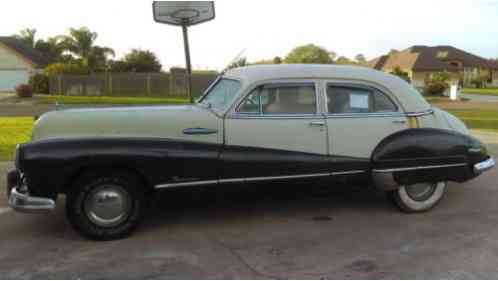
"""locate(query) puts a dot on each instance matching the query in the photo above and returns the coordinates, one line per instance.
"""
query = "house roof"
(425, 58)
(29, 53)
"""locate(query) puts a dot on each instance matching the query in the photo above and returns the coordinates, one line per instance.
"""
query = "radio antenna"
(233, 60)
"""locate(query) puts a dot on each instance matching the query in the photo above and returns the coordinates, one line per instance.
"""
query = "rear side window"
(346, 99)
(281, 99)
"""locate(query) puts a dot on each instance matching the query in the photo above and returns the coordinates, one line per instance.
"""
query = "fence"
(172, 84)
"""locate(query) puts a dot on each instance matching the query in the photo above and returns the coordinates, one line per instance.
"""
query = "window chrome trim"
(258, 179)
(373, 89)
(418, 168)
(236, 114)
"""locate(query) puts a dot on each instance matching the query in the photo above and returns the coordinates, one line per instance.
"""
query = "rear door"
(359, 117)
(277, 131)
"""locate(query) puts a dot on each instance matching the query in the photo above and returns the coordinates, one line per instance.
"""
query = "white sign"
(358, 101)
(453, 92)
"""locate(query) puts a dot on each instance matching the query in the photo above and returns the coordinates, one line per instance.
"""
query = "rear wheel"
(418, 197)
(105, 205)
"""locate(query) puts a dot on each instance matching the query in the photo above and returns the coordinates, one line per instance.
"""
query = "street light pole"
(189, 66)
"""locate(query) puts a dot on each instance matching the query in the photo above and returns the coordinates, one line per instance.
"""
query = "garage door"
(9, 79)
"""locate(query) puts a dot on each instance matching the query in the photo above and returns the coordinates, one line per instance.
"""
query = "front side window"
(221, 95)
(281, 99)
(344, 99)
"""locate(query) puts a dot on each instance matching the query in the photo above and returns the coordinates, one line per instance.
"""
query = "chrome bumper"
(28, 204)
(484, 165)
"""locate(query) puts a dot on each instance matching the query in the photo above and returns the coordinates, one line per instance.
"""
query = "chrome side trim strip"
(417, 168)
(257, 179)
(366, 115)
(275, 116)
(420, 113)
(348, 172)
(181, 184)
(287, 177)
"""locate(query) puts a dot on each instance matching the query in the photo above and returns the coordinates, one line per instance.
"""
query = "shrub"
(437, 84)
(435, 88)
(65, 68)
(401, 74)
(24, 91)
(39, 83)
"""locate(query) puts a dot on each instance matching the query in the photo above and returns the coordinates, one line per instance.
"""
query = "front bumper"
(484, 166)
(23, 202)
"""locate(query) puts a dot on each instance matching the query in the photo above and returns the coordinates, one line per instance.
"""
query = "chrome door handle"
(199, 131)
(317, 124)
(399, 122)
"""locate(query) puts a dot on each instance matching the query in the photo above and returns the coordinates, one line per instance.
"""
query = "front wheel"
(105, 205)
(418, 197)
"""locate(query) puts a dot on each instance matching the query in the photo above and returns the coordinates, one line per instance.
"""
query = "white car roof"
(409, 97)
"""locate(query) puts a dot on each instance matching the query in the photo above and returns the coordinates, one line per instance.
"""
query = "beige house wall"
(418, 78)
(10, 60)
(494, 82)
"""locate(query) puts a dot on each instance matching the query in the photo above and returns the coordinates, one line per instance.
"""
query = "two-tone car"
(259, 124)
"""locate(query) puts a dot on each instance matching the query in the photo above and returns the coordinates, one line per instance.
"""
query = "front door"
(277, 131)
(359, 117)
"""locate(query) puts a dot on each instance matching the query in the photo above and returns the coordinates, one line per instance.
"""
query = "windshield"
(221, 95)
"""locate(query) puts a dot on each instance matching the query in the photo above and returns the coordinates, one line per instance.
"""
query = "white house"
(17, 63)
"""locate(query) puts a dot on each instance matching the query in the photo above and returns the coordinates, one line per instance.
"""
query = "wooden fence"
(172, 84)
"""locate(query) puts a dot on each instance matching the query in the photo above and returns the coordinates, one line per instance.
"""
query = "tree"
(401, 74)
(309, 54)
(53, 49)
(277, 60)
(345, 61)
(141, 61)
(332, 55)
(238, 63)
(27, 36)
(360, 59)
(81, 43)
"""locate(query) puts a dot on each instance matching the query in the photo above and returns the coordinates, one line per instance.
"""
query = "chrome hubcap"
(108, 205)
(421, 191)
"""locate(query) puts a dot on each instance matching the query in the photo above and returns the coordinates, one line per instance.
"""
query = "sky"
(265, 29)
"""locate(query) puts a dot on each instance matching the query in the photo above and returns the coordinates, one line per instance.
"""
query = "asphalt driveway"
(289, 232)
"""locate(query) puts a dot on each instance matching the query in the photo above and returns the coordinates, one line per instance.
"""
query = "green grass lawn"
(477, 119)
(486, 92)
(13, 130)
(110, 100)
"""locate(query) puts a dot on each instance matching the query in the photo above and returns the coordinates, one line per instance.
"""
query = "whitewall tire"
(418, 197)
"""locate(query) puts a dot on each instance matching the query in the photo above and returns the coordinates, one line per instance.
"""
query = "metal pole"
(189, 67)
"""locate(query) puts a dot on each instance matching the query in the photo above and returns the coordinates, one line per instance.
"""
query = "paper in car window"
(358, 101)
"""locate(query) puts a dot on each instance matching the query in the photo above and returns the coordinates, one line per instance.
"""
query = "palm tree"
(81, 43)
(27, 36)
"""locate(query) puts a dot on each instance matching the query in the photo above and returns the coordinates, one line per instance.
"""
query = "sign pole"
(189, 66)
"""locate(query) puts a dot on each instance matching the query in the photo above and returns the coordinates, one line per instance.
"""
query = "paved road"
(305, 232)
(480, 98)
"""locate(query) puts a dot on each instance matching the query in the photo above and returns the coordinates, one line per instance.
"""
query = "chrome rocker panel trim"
(257, 179)
(484, 166)
(29, 204)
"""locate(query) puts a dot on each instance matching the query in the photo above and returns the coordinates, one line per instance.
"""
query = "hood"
(142, 122)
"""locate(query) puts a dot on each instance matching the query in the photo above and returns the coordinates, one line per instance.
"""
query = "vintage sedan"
(258, 124)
